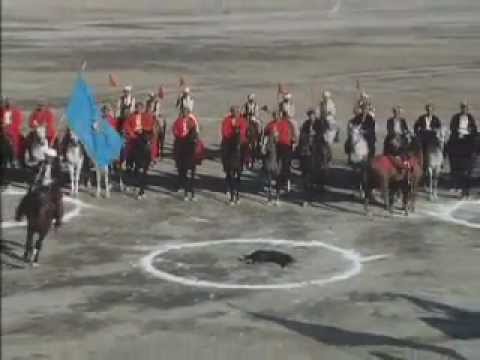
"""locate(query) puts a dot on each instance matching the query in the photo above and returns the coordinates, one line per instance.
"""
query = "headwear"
(464, 103)
(127, 88)
(151, 94)
(327, 94)
(186, 90)
(51, 152)
(287, 96)
(310, 111)
(251, 96)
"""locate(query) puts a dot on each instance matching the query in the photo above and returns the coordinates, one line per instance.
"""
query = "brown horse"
(40, 207)
(390, 174)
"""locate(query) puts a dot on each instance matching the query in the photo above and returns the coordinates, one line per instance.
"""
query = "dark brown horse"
(391, 174)
(41, 206)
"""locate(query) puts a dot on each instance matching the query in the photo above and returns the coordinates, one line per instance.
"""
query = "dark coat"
(455, 125)
(391, 126)
(421, 124)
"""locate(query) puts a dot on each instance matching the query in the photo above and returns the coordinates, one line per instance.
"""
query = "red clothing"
(45, 117)
(230, 123)
(11, 119)
(112, 121)
(136, 123)
(284, 128)
(183, 125)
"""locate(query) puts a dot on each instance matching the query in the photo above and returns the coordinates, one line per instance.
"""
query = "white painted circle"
(445, 213)
(353, 257)
(67, 217)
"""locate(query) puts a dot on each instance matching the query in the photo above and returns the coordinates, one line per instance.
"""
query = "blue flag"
(102, 143)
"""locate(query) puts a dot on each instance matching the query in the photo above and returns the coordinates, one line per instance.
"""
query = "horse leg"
(277, 192)
(71, 172)
(107, 182)
(143, 176)
(38, 247)
(386, 195)
(430, 171)
(28, 246)
(99, 181)
(192, 183)
(228, 187)
(237, 186)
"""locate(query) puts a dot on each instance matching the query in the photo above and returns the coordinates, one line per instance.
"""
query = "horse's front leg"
(228, 187)
(386, 196)
(27, 256)
(237, 186)
(430, 183)
(38, 247)
(192, 183)
(107, 182)
(99, 181)
(71, 173)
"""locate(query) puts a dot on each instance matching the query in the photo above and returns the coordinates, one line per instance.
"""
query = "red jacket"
(11, 119)
(284, 128)
(137, 122)
(45, 117)
(183, 125)
(112, 121)
(230, 123)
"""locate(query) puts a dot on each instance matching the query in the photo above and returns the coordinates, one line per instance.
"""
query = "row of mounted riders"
(244, 141)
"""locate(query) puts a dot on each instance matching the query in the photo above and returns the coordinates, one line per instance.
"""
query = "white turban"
(128, 88)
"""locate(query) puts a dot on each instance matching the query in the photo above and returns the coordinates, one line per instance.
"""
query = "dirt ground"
(410, 289)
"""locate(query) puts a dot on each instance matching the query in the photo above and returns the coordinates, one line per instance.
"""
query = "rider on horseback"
(44, 116)
(231, 122)
(461, 147)
(425, 127)
(185, 102)
(140, 122)
(125, 106)
(286, 105)
(11, 122)
(287, 131)
(366, 122)
(398, 134)
(250, 108)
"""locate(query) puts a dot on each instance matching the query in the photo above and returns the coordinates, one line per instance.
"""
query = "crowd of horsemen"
(131, 118)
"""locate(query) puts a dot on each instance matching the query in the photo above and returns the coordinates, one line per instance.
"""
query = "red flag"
(161, 92)
(112, 79)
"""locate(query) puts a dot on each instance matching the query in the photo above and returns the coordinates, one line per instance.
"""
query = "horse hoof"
(35, 264)
(305, 204)
(185, 198)
(231, 203)
(193, 199)
(277, 202)
(97, 195)
(107, 195)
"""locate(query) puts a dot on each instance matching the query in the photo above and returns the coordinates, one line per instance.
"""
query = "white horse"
(100, 171)
(358, 156)
(74, 155)
(331, 133)
(434, 161)
(37, 147)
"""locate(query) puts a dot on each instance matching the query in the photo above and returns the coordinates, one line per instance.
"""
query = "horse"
(141, 158)
(434, 161)
(315, 157)
(358, 156)
(233, 154)
(7, 154)
(461, 152)
(185, 161)
(389, 174)
(74, 156)
(272, 165)
(254, 136)
(41, 205)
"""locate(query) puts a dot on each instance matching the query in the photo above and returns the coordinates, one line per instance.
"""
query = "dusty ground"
(91, 298)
